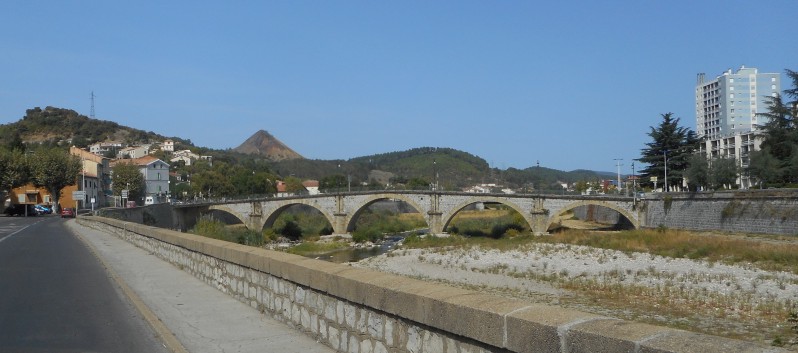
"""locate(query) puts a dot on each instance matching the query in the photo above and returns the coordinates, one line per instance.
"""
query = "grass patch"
(373, 225)
(212, 228)
(494, 223)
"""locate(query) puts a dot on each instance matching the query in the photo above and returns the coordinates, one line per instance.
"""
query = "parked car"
(19, 210)
(68, 212)
(42, 209)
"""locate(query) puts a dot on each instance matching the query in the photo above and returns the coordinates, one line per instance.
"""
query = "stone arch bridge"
(438, 208)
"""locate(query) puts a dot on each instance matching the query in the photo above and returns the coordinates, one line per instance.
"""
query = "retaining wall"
(362, 311)
(748, 212)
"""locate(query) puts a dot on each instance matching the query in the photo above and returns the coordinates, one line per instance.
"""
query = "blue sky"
(571, 84)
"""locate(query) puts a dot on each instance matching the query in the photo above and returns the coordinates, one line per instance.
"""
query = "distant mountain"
(265, 145)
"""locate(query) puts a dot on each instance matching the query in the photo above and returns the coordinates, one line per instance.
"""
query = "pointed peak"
(264, 144)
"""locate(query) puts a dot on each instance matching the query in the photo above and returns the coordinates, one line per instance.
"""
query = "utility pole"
(618, 165)
(91, 114)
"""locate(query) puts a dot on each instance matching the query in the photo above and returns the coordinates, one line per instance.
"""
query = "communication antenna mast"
(91, 114)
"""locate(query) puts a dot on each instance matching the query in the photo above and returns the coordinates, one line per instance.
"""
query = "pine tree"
(780, 136)
(672, 141)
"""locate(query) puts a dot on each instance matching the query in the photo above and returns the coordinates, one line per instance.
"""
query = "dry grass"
(677, 300)
(730, 249)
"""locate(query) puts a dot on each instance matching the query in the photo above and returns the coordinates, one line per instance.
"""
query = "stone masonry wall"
(754, 214)
(362, 311)
(597, 214)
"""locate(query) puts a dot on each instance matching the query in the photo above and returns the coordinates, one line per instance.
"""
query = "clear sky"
(572, 84)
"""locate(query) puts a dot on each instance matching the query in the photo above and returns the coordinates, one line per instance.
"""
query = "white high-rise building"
(726, 112)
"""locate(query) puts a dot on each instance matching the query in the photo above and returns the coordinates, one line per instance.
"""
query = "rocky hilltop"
(264, 144)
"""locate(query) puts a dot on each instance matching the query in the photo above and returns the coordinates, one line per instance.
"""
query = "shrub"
(291, 230)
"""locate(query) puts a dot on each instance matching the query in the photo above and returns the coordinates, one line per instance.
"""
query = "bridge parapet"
(359, 310)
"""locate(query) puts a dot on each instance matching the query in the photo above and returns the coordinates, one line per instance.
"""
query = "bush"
(369, 234)
(291, 231)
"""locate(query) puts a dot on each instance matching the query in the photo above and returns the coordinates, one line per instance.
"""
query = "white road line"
(26, 227)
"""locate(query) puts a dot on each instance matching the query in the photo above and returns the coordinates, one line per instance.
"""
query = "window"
(159, 176)
(731, 95)
(772, 79)
(773, 87)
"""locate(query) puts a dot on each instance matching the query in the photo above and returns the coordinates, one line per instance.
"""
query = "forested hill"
(452, 168)
(58, 126)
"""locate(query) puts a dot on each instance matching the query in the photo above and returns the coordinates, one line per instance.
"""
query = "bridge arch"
(270, 217)
(228, 210)
(365, 203)
(611, 205)
(447, 217)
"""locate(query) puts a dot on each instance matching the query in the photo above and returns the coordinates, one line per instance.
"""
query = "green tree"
(418, 184)
(581, 186)
(14, 169)
(333, 182)
(780, 132)
(697, 172)
(723, 172)
(212, 183)
(126, 176)
(54, 169)
(763, 166)
(293, 185)
(672, 141)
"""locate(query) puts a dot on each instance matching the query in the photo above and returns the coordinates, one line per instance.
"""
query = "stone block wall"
(752, 214)
(362, 311)
(598, 214)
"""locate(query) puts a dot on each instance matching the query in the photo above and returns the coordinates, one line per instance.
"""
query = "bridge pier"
(539, 222)
(435, 221)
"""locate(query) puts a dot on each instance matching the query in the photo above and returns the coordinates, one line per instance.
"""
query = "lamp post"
(634, 185)
(435, 175)
(665, 154)
(618, 165)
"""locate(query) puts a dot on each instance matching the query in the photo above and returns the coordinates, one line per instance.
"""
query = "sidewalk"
(200, 317)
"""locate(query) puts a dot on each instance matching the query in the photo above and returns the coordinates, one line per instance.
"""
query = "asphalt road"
(55, 295)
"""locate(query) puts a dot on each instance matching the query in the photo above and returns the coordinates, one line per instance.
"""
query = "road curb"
(167, 337)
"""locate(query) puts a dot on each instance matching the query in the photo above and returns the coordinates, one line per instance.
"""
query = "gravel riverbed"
(737, 301)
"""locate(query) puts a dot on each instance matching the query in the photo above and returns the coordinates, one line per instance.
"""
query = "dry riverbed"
(738, 301)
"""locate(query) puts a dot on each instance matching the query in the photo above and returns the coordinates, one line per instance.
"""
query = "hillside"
(419, 167)
(455, 170)
(58, 126)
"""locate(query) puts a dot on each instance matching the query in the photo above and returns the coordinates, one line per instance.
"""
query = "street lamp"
(634, 184)
(435, 175)
(618, 165)
(665, 154)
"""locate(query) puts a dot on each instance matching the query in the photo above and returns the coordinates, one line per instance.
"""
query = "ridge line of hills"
(452, 168)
